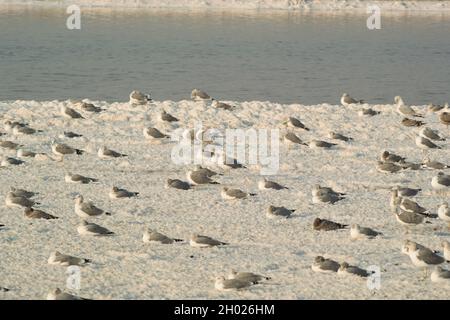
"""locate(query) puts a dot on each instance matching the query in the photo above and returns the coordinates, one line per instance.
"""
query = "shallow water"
(279, 56)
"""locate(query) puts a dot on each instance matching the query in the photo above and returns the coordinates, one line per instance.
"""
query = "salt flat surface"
(124, 267)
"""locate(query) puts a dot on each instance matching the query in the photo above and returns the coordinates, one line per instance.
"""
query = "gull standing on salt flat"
(327, 225)
(387, 167)
(386, 156)
(59, 259)
(200, 241)
(345, 269)
(117, 193)
(198, 95)
(77, 178)
(9, 145)
(338, 136)
(92, 229)
(291, 138)
(247, 276)
(8, 161)
(154, 134)
(223, 284)
(38, 214)
(62, 149)
(346, 100)
(406, 192)
(412, 123)
(434, 164)
(265, 184)
(105, 153)
(12, 200)
(411, 206)
(167, 117)
(86, 209)
(408, 219)
(295, 123)
(70, 113)
(154, 236)
(444, 213)
(90, 107)
(428, 133)
(138, 98)
(199, 177)
(221, 105)
(444, 117)
(323, 265)
(177, 184)
(357, 232)
(321, 144)
(440, 274)
(425, 143)
(70, 134)
(19, 130)
(279, 212)
(441, 182)
(405, 110)
(422, 257)
(233, 194)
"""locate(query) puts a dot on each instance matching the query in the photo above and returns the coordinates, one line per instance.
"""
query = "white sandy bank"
(123, 267)
(314, 5)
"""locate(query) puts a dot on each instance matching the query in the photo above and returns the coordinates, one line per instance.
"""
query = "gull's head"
(344, 265)
(344, 95)
(53, 294)
(317, 222)
(355, 226)
(224, 189)
(444, 205)
(440, 174)
(214, 103)
(114, 189)
(220, 278)
(79, 199)
(319, 259)
(446, 245)
(394, 193)
(316, 187)
(84, 223)
(385, 154)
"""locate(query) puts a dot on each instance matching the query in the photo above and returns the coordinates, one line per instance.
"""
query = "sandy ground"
(123, 267)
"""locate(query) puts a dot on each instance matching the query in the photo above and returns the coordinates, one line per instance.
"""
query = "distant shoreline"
(320, 6)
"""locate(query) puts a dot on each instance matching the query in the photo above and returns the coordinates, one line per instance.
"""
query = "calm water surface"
(282, 57)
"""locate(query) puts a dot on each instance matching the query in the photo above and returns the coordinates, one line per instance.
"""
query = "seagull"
(441, 182)
(166, 117)
(440, 275)
(338, 136)
(77, 178)
(412, 206)
(406, 192)
(57, 294)
(8, 161)
(444, 117)
(199, 177)
(407, 218)
(18, 130)
(138, 98)
(386, 156)
(404, 109)
(295, 123)
(279, 212)
(70, 113)
(221, 105)
(247, 276)
(198, 95)
(327, 225)
(70, 134)
(446, 246)
(86, 209)
(265, 184)
(12, 200)
(38, 214)
(434, 164)
(223, 284)
(117, 193)
(321, 144)
(387, 167)
(92, 229)
(154, 134)
(9, 125)
(425, 143)
(105, 153)
(21, 153)
(9, 145)
(90, 107)
(318, 190)
(62, 149)
(368, 112)
(412, 123)
(207, 172)
(325, 195)
(444, 213)
(357, 232)
(22, 193)
(200, 241)
(422, 257)
(154, 236)
(177, 184)
(291, 138)
(428, 133)
(323, 265)
(345, 268)
(57, 258)
(346, 100)
(232, 194)
(435, 107)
